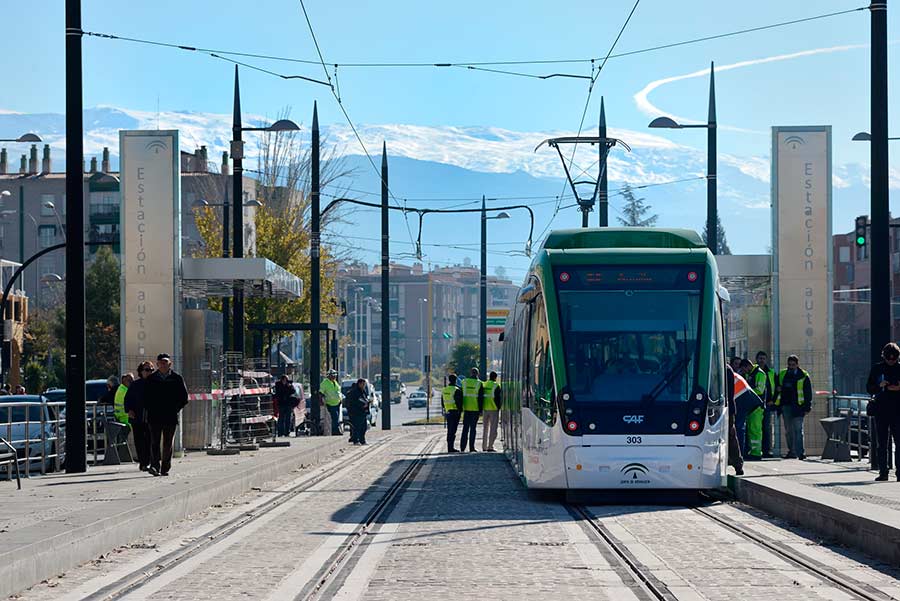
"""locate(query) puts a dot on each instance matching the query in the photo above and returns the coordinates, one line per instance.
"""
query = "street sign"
(496, 321)
(497, 312)
(495, 330)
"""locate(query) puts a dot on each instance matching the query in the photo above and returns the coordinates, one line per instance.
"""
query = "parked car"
(93, 391)
(32, 431)
(374, 401)
(417, 398)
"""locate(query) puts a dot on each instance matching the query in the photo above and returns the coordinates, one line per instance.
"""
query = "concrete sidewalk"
(59, 521)
(838, 500)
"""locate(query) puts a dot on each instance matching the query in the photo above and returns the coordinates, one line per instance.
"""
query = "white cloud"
(641, 98)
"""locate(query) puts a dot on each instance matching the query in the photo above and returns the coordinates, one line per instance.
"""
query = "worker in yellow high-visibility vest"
(451, 400)
(491, 413)
(473, 403)
(330, 390)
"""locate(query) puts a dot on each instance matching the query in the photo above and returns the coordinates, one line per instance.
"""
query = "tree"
(633, 213)
(722, 240)
(282, 224)
(463, 358)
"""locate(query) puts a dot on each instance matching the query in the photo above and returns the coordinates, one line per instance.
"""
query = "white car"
(417, 398)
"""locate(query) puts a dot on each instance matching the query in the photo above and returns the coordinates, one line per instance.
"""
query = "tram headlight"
(571, 425)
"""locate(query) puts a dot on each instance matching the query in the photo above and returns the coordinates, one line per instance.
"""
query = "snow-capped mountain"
(465, 162)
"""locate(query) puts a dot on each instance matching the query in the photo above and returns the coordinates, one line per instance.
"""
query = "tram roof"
(623, 237)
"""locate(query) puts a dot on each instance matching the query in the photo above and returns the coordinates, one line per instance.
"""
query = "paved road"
(388, 526)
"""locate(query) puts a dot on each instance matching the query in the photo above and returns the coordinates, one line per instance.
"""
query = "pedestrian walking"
(735, 459)
(331, 393)
(137, 415)
(793, 398)
(452, 401)
(357, 406)
(285, 401)
(491, 412)
(884, 385)
(473, 403)
(762, 379)
(166, 396)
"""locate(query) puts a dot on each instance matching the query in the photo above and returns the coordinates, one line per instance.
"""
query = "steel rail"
(148, 572)
(353, 540)
(647, 583)
(849, 585)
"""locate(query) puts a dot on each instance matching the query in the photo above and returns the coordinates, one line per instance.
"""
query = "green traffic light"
(860, 240)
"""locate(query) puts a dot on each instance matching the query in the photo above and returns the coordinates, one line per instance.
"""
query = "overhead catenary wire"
(587, 104)
(472, 63)
(340, 104)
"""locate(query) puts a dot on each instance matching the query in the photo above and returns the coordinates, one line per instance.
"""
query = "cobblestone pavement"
(464, 526)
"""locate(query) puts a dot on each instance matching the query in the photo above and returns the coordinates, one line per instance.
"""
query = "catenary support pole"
(237, 197)
(226, 250)
(21, 223)
(603, 188)
(76, 450)
(315, 313)
(880, 209)
(712, 210)
(385, 298)
(482, 361)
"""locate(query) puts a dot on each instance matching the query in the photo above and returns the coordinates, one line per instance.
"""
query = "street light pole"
(314, 291)
(237, 156)
(482, 359)
(880, 209)
(385, 298)
(712, 209)
(603, 190)
(76, 452)
(226, 236)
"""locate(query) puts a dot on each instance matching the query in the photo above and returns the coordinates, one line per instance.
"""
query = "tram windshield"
(630, 334)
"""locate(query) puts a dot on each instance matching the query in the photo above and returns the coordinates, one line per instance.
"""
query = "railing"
(861, 426)
(41, 439)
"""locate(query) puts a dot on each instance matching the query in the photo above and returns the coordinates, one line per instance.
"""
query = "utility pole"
(482, 361)
(314, 275)
(226, 237)
(385, 298)
(712, 216)
(603, 190)
(76, 451)
(880, 209)
(237, 198)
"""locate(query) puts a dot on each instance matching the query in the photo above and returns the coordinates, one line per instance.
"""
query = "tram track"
(159, 566)
(648, 586)
(327, 578)
(856, 588)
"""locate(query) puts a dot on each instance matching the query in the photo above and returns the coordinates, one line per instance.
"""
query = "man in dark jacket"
(357, 401)
(884, 385)
(166, 396)
(285, 400)
(137, 414)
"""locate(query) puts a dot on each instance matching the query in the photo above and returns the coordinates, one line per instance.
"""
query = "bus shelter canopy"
(257, 277)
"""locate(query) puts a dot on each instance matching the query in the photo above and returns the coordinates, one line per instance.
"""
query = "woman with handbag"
(884, 385)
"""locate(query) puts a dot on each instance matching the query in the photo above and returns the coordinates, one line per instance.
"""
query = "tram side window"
(717, 358)
(542, 376)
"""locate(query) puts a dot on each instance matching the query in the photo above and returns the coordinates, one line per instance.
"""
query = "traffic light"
(861, 227)
(447, 335)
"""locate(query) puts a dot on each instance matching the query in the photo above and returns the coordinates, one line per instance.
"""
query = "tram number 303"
(632, 440)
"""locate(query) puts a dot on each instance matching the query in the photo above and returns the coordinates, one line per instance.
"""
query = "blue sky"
(828, 86)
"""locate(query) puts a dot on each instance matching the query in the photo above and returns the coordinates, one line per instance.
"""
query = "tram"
(613, 363)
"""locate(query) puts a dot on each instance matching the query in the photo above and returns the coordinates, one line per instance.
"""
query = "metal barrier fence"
(246, 407)
(37, 432)
(861, 425)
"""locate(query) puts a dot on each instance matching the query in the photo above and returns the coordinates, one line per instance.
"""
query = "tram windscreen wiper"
(657, 390)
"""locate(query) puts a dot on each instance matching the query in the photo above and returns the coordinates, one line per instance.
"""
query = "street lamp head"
(862, 136)
(664, 123)
(283, 125)
(503, 215)
(253, 203)
(49, 204)
(51, 277)
(5, 193)
(199, 204)
(29, 138)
